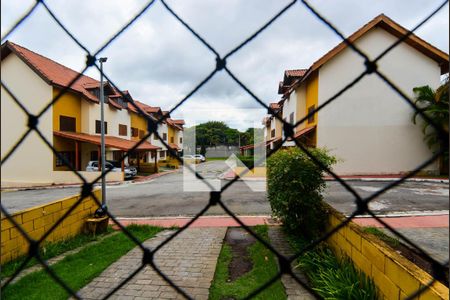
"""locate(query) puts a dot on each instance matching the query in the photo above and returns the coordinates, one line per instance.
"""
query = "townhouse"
(273, 127)
(71, 125)
(368, 128)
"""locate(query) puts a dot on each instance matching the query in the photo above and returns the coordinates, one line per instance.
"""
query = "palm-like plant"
(434, 104)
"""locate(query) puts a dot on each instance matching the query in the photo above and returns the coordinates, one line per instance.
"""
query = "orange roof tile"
(55, 73)
(295, 73)
(110, 141)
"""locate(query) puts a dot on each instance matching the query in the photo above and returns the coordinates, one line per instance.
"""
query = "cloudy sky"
(159, 61)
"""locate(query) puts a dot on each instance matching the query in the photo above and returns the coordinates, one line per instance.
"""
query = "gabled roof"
(179, 122)
(274, 106)
(56, 74)
(384, 22)
(176, 124)
(146, 108)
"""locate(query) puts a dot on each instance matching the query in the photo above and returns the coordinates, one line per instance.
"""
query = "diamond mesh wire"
(371, 67)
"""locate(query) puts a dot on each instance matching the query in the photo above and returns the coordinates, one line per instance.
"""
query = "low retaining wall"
(395, 276)
(256, 172)
(148, 168)
(38, 220)
(64, 177)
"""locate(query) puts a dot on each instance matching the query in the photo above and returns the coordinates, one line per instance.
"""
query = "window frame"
(311, 118)
(68, 119)
(123, 130)
(98, 127)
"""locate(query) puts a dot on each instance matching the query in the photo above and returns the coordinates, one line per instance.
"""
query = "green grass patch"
(264, 268)
(332, 278)
(50, 250)
(78, 269)
(391, 241)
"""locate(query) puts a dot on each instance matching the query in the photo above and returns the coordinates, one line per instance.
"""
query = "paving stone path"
(189, 260)
(294, 290)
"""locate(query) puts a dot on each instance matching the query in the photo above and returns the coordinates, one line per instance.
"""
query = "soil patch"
(420, 261)
(239, 240)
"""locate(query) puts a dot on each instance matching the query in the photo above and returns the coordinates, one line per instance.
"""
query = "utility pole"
(102, 129)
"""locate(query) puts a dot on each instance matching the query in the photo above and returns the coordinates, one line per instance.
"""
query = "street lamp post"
(102, 130)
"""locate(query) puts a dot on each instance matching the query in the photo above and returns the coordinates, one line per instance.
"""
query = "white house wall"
(369, 127)
(114, 117)
(32, 161)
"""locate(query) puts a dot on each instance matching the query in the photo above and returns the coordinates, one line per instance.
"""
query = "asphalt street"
(166, 196)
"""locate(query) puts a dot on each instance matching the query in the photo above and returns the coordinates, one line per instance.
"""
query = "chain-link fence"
(438, 269)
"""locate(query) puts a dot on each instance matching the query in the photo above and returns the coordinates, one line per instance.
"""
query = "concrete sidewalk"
(189, 261)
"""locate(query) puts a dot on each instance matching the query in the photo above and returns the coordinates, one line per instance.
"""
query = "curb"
(390, 179)
(151, 177)
(112, 183)
(54, 187)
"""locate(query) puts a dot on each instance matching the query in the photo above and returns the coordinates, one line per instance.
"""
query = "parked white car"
(129, 172)
(200, 157)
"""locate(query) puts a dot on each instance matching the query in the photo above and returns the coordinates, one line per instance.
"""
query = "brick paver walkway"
(294, 291)
(189, 260)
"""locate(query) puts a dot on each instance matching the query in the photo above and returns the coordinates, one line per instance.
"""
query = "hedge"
(295, 184)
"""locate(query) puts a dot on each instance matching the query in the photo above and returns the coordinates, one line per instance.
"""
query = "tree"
(434, 104)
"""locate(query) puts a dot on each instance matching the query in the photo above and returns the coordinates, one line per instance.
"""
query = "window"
(181, 140)
(311, 117)
(122, 102)
(98, 128)
(117, 155)
(69, 157)
(67, 123)
(162, 154)
(123, 129)
(141, 134)
(94, 155)
(134, 132)
(165, 136)
(291, 118)
(155, 137)
(272, 133)
(171, 139)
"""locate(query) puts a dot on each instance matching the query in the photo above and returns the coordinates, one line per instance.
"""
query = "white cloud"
(159, 61)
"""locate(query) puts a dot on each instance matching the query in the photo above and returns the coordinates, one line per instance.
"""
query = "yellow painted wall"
(37, 220)
(139, 122)
(62, 144)
(312, 95)
(312, 98)
(170, 134)
(393, 275)
(68, 105)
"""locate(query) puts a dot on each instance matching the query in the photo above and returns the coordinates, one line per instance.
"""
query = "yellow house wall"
(68, 105)
(170, 134)
(38, 220)
(312, 98)
(139, 122)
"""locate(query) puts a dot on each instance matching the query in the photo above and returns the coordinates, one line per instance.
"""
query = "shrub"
(334, 279)
(295, 184)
